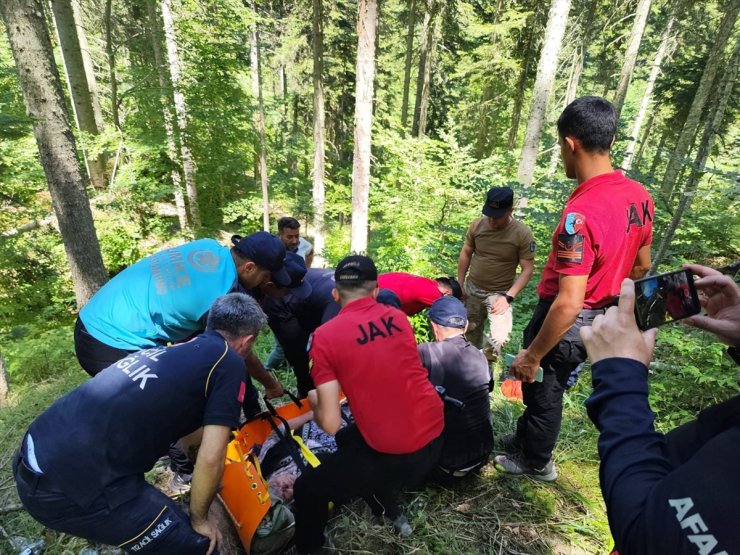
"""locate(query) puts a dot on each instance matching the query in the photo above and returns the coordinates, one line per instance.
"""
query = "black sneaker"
(514, 464)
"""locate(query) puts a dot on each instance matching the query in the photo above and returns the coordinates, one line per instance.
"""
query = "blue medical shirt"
(164, 297)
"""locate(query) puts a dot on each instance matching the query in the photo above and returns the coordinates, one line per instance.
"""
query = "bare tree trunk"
(166, 100)
(546, 70)
(42, 92)
(720, 98)
(407, 64)
(647, 95)
(418, 128)
(111, 64)
(367, 21)
(643, 141)
(89, 66)
(630, 55)
(319, 196)
(256, 70)
(181, 111)
(705, 85)
(69, 34)
(480, 149)
(658, 153)
(521, 83)
(4, 383)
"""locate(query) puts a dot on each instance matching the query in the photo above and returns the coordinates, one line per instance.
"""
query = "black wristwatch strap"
(509, 298)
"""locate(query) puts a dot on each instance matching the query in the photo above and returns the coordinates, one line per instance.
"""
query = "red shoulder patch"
(242, 392)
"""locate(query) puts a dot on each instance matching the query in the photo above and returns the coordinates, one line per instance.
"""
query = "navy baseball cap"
(295, 266)
(389, 298)
(449, 312)
(355, 268)
(498, 201)
(265, 250)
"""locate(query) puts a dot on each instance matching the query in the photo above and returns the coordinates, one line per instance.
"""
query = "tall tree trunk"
(256, 70)
(516, 114)
(110, 53)
(167, 112)
(480, 149)
(318, 128)
(630, 55)
(418, 128)
(181, 112)
(407, 64)
(720, 99)
(78, 81)
(635, 161)
(42, 92)
(546, 70)
(367, 21)
(89, 66)
(705, 85)
(658, 153)
(647, 95)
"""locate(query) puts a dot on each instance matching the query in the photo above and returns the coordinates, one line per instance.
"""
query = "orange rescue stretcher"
(244, 490)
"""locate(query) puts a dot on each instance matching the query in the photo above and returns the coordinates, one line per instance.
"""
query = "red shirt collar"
(595, 181)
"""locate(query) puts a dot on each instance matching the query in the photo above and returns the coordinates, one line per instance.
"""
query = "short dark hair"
(236, 315)
(592, 120)
(289, 222)
(452, 284)
(355, 290)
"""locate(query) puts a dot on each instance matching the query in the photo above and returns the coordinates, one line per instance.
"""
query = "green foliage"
(35, 357)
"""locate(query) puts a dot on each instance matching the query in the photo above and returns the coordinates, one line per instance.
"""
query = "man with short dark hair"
(289, 232)
(367, 351)
(604, 235)
(494, 246)
(416, 292)
(80, 469)
(464, 375)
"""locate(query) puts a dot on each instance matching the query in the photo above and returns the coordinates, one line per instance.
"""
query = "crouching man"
(81, 465)
(463, 372)
(369, 352)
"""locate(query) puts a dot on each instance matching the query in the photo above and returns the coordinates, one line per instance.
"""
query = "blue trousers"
(150, 522)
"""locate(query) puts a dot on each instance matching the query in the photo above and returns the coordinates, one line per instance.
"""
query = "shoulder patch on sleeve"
(532, 246)
(573, 222)
(570, 248)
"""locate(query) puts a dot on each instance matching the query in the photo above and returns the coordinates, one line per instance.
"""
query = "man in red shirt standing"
(367, 351)
(416, 292)
(604, 236)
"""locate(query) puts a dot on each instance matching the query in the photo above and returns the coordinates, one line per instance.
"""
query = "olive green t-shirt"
(496, 253)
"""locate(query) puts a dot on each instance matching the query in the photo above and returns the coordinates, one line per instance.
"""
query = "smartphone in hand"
(665, 298)
(507, 365)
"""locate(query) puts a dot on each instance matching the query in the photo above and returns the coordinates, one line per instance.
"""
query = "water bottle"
(33, 549)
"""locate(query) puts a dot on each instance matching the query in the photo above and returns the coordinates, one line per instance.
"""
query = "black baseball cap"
(498, 201)
(449, 312)
(355, 268)
(265, 250)
(389, 298)
(295, 266)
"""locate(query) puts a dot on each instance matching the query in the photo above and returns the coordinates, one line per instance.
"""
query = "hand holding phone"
(510, 358)
(665, 298)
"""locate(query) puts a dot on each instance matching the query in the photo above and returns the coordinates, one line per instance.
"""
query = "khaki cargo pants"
(478, 303)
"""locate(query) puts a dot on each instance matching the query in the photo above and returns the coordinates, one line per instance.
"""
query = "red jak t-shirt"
(606, 220)
(415, 292)
(370, 349)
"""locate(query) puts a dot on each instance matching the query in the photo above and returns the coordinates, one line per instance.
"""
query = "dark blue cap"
(355, 268)
(295, 266)
(498, 201)
(388, 297)
(449, 312)
(265, 250)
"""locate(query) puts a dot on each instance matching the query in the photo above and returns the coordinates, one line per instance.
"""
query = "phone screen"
(665, 298)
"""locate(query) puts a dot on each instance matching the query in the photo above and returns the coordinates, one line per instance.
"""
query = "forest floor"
(492, 513)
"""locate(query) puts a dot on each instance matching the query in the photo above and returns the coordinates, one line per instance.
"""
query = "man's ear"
(335, 294)
(614, 138)
(570, 143)
(246, 342)
(465, 329)
(375, 293)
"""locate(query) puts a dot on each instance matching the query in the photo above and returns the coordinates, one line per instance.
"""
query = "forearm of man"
(561, 316)
(327, 413)
(642, 263)
(208, 469)
(463, 263)
(258, 372)
(523, 278)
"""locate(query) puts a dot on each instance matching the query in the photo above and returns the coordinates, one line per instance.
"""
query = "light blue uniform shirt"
(161, 298)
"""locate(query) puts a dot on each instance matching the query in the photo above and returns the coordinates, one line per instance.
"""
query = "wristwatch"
(509, 298)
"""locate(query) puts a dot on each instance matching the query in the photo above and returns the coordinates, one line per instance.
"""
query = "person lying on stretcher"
(278, 458)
